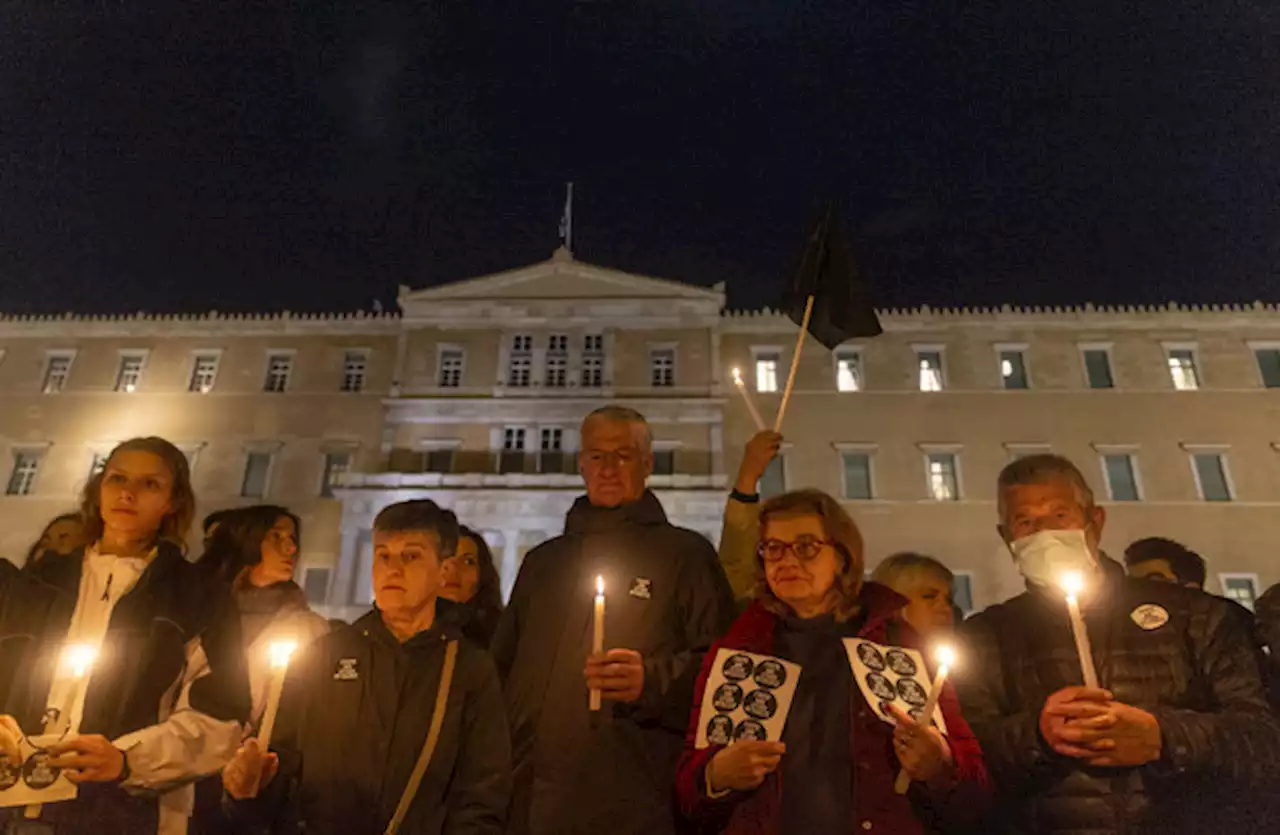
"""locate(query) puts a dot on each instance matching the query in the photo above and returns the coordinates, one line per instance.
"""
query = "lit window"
(204, 372)
(22, 480)
(56, 372)
(335, 464)
(279, 367)
(1182, 368)
(944, 485)
(1242, 588)
(450, 371)
(766, 372)
(848, 371)
(662, 368)
(354, 365)
(130, 373)
(931, 378)
(1013, 370)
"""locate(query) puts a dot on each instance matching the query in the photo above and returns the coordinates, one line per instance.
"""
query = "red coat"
(876, 807)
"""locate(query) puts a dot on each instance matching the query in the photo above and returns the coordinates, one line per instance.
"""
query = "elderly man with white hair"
(667, 600)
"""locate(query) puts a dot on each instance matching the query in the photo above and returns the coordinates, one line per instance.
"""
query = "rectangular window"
(1182, 369)
(204, 371)
(558, 343)
(98, 464)
(962, 592)
(130, 373)
(257, 467)
(593, 361)
(279, 367)
(511, 459)
(56, 372)
(520, 364)
(315, 583)
(1121, 471)
(857, 475)
(931, 375)
(766, 372)
(1097, 368)
(551, 450)
(354, 365)
(22, 481)
(1242, 588)
(662, 368)
(440, 460)
(848, 370)
(1013, 369)
(664, 462)
(1269, 366)
(558, 361)
(450, 372)
(774, 480)
(335, 464)
(944, 482)
(1211, 476)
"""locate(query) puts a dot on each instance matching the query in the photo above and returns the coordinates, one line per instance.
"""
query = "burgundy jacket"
(876, 807)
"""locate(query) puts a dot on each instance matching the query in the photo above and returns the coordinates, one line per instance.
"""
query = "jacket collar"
(754, 630)
(444, 628)
(585, 518)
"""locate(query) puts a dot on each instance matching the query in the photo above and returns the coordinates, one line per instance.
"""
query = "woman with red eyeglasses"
(835, 767)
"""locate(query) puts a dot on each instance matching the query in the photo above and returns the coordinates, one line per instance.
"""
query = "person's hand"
(759, 452)
(249, 771)
(1075, 721)
(618, 674)
(743, 765)
(10, 740)
(1133, 738)
(923, 752)
(88, 759)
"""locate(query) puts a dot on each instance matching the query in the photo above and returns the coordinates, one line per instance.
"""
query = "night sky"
(273, 155)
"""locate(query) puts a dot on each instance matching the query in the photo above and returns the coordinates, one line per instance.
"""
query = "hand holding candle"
(946, 658)
(281, 653)
(1072, 584)
(76, 662)
(746, 398)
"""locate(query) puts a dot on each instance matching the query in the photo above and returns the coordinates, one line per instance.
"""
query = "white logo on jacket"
(642, 588)
(1150, 616)
(346, 670)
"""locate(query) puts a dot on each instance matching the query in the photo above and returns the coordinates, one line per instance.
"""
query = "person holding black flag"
(1175, 737)
(578, 771)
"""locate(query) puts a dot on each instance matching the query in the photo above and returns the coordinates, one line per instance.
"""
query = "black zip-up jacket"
(168, 618)
(668, 599)
(353, 719)
(1184, 656)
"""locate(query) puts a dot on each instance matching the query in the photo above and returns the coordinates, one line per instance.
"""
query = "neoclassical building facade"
(472, 394)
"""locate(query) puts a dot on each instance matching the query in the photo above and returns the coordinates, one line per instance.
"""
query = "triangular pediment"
(562, 278)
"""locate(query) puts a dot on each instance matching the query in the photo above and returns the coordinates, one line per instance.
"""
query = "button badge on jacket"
(642, 588)
(1150, 616)
(346, 670)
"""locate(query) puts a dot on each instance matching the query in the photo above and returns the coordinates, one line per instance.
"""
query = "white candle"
(597, 635)
(77, 660)
(746, 398)
(1072, 584)
(946, 659)
(281, 652)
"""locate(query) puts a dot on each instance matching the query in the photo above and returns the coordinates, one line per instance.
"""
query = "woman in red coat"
(834, 770)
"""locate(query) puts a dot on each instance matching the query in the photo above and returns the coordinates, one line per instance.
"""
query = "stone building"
(472, 395)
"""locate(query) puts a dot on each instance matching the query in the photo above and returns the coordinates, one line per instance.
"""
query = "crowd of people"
(441, 711)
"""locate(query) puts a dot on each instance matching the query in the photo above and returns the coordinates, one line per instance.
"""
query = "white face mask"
(1043, 557)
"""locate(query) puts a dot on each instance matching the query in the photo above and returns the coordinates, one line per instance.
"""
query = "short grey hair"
(895, 570)
(1041, 469)
(622, 414)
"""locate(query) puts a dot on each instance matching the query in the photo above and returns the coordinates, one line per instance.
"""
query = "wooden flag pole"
(795, 363)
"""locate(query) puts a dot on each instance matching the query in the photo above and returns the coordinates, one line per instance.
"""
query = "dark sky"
(312, 156)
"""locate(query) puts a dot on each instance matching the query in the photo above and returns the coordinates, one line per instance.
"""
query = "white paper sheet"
(891, 676)
(34, 781)
(748, 696)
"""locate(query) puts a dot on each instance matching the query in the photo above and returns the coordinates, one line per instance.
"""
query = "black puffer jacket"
(667, 599)
(1197, 673)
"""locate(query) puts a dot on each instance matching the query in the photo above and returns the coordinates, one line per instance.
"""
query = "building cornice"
(212, 323)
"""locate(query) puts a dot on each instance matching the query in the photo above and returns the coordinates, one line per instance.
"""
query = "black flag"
(842, 305)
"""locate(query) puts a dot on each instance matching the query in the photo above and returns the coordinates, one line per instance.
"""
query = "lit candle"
(946, 660)
(597, 635)
(1073, 583)
(281, 652)
(746, 398)
(77, 660)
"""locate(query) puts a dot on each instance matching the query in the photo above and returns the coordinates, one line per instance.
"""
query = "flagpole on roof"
(566, 220)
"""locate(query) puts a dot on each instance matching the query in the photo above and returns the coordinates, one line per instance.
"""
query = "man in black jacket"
(667, 600)
(358, 705)
(1176, 738)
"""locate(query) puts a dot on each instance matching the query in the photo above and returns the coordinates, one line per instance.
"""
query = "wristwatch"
(745, 498)
(124, 766)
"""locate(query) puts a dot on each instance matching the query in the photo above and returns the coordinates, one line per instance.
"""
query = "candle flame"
(946, 656)
(1072, 583)
(281, 652)
(79, 657)
(737, 377)
(599, 586)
